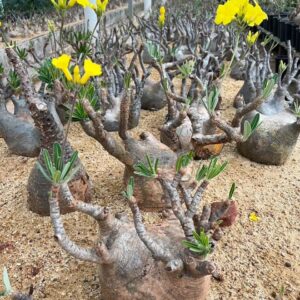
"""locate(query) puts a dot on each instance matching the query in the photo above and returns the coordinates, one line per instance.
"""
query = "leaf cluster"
(56, 171)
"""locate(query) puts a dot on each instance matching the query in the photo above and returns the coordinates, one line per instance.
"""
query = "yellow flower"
(255, 15)
(162, 17)
(0, 24)
(253, 217)
(100, 7)
(91, 69)
(63, 4)
(62, 63)
(252, 38)
(241, 11)
(84, 3)
(225, 13)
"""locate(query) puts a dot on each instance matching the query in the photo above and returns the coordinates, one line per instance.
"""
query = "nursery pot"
(273, 141)
(275, 28)
(297, 47)
(283, 34)
(294, 35)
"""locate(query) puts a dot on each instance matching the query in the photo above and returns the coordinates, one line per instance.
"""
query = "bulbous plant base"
(133, 274)
(238, 71)
(273, 141)
(153, 97)
(149, 192)
(38, 192)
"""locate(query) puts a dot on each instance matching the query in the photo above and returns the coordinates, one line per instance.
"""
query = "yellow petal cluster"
(99, 7)
(252, 38)
(90, 69)
(63, 4)
(162, 17)
(241, 11)
(253, 217)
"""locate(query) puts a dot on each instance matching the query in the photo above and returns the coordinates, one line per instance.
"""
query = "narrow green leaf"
(57, 153)
(232, 190)
(6, 282)
(43, 172)
(247, 131)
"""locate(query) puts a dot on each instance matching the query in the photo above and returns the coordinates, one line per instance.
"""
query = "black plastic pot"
(293, 35)
(297, 47)
(282, 30)
(270, 23)
(275, 22)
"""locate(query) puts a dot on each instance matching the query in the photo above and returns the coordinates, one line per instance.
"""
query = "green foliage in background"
(26, 6)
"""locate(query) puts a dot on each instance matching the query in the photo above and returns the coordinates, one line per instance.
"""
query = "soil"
(259, 259)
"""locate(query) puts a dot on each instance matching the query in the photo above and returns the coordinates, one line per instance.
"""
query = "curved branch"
(59, 232)
(153, 246)
(109, 143)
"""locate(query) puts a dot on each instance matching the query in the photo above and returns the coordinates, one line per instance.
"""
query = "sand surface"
(258, 258)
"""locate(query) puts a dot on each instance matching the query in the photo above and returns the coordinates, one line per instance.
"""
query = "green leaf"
(43, 172)
(48, 162)
(6, 282)
(201, 173)
(232, 190)
(255, 122)
(247, 131)
(57, 155)
(70, 175)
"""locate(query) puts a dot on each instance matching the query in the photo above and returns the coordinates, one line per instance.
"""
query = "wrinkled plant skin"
(134, 274)
(149, 192)
(153, 96)
(18, 131)
(273, 142)
(139, 263)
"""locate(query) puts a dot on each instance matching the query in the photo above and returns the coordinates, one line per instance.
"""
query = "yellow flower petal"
(252, 38)
(62, 63)
(77, 77)
(84, 3)
(91, 69)
(253, 217)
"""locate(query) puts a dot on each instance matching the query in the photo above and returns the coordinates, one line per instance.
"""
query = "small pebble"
(288, 264)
